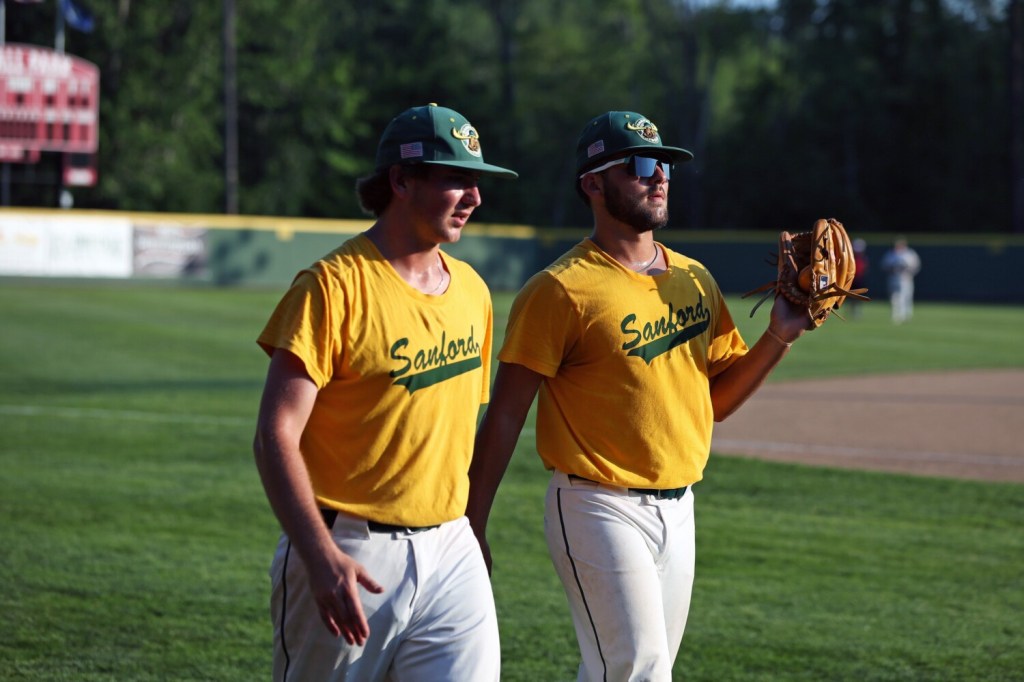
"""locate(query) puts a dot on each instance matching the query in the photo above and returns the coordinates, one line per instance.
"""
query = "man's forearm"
(495, 443)
(291, 497)
(732, 388)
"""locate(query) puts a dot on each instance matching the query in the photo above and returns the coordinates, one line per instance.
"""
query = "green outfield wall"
(268, 251)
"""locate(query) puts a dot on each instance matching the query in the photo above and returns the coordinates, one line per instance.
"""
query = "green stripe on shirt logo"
(666, 343)
(415, 382)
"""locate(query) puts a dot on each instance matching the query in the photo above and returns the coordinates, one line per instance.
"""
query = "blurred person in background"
(901, 263)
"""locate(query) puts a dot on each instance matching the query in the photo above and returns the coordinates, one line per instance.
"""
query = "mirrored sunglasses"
(637, 166)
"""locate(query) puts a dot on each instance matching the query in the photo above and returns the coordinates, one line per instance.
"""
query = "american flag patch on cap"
(595, 148)
(411, 150)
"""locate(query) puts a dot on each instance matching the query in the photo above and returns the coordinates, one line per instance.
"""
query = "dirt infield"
(951, 424)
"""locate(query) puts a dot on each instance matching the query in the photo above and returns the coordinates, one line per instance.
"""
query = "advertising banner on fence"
(169, 250)
(47, 246)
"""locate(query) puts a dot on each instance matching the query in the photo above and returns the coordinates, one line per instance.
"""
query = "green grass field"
(136, 538)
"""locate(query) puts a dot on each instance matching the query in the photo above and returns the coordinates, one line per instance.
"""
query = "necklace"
(648, 263)
(440, 279)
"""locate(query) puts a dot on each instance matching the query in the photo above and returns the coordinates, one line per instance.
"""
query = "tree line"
(894, 115)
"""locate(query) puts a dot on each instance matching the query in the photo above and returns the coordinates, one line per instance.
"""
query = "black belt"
(665, 494)
(329, 515)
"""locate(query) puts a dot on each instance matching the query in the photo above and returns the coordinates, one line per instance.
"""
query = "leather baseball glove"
(815, 270)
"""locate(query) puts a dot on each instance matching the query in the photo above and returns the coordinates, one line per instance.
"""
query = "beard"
(633, 212)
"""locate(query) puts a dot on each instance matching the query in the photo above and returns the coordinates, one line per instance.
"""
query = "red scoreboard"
(49, 102)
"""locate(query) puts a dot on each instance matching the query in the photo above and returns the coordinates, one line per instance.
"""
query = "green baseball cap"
(616, 133)
(438, 136)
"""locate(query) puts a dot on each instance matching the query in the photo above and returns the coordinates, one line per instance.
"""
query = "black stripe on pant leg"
(576, 575)
(284, 609)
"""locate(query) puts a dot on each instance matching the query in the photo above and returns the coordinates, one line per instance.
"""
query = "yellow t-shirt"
(627, 359)
(401, 377)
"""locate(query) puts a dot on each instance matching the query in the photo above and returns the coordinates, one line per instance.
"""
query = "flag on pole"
(78, 15)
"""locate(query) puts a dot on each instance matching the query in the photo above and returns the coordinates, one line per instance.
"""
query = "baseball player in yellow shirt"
(635, 355)
(379, 361)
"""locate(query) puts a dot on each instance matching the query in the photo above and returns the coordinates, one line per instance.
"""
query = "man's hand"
(335, 583)
(789, 320)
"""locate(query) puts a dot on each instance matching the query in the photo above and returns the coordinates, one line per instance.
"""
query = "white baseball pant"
(626, 561)
(435, 619)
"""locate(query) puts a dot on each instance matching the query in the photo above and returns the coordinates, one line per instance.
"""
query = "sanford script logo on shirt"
(676, 327)
(444, 360)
